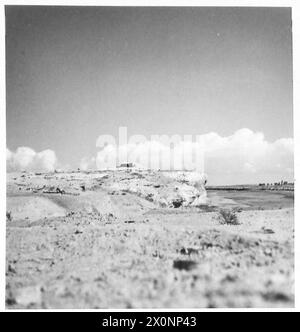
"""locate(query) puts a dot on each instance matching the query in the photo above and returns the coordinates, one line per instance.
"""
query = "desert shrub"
(228, 217)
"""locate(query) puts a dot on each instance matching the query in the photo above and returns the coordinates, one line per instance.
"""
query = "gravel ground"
(95, 244)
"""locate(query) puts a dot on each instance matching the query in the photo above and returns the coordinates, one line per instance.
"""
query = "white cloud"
(26, 159)
(245, 156)
(250, 152)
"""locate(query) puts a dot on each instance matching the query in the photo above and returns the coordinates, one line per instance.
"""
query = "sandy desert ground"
(144, 239)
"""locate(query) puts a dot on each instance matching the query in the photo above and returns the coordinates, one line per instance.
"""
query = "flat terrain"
(144, 240)
(254, 199)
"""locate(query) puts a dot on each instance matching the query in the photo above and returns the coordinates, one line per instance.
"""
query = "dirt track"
(114, 247)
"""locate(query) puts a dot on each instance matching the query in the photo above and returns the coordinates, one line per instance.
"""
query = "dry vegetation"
(228, 217)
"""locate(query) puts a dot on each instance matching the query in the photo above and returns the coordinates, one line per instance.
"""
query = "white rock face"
(190, 177)
(191, 188)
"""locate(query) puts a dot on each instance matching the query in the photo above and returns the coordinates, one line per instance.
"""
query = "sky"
(75, 73)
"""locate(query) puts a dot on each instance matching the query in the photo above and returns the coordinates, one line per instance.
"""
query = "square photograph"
(149, 157)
